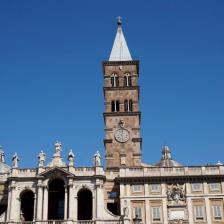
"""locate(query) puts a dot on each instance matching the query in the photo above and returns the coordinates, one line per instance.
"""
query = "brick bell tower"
(121, 99)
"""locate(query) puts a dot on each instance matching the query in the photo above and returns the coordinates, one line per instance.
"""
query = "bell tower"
(121, 99)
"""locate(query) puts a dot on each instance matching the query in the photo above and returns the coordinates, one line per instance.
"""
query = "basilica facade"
(126, 190)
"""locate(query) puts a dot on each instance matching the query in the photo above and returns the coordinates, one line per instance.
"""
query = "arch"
(27, 205)
(56, 199)
(85, 204)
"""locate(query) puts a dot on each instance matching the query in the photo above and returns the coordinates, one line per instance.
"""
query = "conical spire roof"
(120, 51)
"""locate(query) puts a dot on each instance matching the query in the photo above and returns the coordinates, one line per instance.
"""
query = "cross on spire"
(119, 20)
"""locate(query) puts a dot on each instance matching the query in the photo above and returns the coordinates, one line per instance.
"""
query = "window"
(112, 106)
(214, 186)
(199, 212)
(156, 213)
(136, 188)
(196, 187)
(138, 212)
(115, 106)
(112, 194)
(155, 188)
(217, 212)
(114, 80)
(128, 105)
(127, 80)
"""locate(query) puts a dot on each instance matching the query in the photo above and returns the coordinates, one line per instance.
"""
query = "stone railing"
(172, 171)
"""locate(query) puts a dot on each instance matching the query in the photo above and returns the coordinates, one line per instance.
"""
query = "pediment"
(56, 171)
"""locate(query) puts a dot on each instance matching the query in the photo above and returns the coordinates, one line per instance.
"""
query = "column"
(99, 201)
(12, 205)
(75, 204)
(208, 211)
(122, 190)
(146, 189)
(71, 206)
(39, 200)
(66, 203)
(45, 203)
(128, 190)
(9, 203)
(207, 204)
(35, 206)
(190, 210)
(189, 203)
(147, 212)
(164, 205)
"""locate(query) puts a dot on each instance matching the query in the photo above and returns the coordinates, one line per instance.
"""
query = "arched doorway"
(56, 199)
(27, 205)
(85, 204)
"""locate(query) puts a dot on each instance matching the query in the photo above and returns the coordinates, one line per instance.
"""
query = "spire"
(120, 51)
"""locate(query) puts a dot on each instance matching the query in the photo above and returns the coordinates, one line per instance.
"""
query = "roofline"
(132, 62)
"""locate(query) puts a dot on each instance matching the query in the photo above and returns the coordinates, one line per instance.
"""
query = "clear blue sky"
(51, 76)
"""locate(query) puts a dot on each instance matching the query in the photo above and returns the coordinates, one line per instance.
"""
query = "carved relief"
(176, 193)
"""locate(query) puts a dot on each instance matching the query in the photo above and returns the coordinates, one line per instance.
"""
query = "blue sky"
(51, 76)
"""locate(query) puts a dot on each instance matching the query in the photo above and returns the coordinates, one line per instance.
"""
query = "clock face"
(121, 135)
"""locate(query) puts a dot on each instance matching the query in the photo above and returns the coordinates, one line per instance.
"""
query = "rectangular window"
(155, 187)
(199, 212)
(196, 187)
(136, 188)
(138, 212)
(217, 212)
(112, 194)
(214, 187)
(156, 213)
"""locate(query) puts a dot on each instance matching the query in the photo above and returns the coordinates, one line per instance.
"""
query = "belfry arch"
(56, 199)
(85, 204)
(27, 205)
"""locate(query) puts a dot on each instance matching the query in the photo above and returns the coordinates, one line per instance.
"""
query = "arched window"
(130, 105)
(56, 199)
(85, 202)
(127, 80)
(126, 105)
(117, 106)
(114, 80)
(112, 106)
(27, 206)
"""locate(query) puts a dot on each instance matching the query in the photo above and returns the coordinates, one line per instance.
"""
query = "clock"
(121, 135)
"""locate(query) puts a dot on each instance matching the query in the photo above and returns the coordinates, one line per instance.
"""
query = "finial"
(119, 20)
